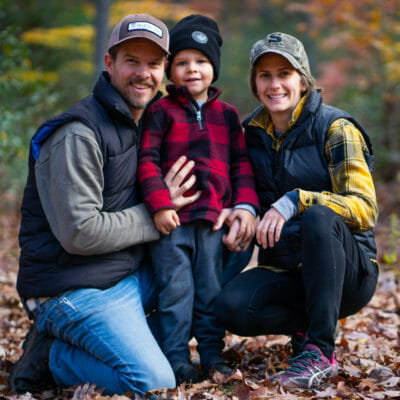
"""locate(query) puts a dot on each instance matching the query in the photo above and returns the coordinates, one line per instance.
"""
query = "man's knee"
(151, 377)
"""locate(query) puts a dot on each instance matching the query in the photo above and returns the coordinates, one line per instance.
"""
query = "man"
(83, 228)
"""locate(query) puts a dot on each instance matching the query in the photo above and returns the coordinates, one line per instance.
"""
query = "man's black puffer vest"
(300, 161)
(46, 269)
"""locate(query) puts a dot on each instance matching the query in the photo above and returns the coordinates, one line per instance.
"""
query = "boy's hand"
(242, 229)
(229, 239)
(166, 220)
(223, 218)
(247, 226)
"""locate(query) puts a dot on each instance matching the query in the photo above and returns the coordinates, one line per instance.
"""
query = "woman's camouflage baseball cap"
(285, 45)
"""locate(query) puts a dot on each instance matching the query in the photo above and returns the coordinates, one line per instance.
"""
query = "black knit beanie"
(196, 32)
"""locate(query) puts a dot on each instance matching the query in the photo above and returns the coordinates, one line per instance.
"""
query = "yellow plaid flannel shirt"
(353, 193)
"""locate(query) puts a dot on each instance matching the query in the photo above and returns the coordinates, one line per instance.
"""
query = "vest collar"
(109, 97)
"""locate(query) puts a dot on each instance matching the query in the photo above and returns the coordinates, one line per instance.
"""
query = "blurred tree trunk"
(101, 34)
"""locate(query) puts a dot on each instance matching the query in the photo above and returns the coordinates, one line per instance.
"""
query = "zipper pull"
(198, 118)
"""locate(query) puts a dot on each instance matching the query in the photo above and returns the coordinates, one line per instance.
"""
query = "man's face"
(137, 72)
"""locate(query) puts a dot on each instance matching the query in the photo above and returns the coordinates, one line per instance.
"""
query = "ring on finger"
(272, 227)
(241, 245)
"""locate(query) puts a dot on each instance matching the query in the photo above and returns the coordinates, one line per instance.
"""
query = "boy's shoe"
(31, 372)
(217, 364)
(308, 369)
(221, 367)
(185, 372)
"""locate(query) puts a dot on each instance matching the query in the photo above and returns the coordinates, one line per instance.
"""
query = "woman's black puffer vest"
(300, 161)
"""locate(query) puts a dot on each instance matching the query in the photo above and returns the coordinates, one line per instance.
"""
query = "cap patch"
(199, 37)
(145, 26)
(274, 38)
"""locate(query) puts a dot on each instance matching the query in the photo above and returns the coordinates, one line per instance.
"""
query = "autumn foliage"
(361, 41)
(367, 348)
(355, 56)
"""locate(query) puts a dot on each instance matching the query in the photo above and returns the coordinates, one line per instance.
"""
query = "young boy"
(187, 259)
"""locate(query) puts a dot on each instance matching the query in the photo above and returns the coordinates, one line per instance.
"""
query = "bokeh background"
(51, 52)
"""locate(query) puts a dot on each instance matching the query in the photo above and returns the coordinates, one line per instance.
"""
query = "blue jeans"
(102, 337)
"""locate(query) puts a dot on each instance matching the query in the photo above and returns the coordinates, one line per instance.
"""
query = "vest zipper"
(198, 117)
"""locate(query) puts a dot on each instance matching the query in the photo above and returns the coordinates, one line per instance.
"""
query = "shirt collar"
(262, 119)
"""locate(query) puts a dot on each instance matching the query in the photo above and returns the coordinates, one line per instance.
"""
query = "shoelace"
(302, 361)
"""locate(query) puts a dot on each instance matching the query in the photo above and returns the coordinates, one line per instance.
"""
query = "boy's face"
(192, 68)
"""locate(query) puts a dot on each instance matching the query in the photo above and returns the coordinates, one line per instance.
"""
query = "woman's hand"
(174, 178)
(268, 230)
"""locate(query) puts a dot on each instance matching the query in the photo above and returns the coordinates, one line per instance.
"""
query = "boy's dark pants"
(188, 269)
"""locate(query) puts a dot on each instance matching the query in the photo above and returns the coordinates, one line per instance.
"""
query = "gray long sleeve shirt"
(70, 183)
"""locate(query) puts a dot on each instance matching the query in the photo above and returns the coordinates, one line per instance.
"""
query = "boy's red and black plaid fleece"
(212, 137)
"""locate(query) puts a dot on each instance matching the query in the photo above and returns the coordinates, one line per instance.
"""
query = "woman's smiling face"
(279, 85)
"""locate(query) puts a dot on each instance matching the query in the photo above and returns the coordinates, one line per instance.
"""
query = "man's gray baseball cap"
(140, 26)
(285, 45)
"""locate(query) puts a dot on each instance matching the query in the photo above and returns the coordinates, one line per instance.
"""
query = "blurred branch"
(101, 34)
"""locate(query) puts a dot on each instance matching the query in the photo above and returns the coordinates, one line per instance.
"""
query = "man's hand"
(268, 230)
(166, 220)
(174, 178)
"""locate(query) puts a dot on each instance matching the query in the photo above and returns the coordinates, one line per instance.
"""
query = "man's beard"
(138, 102)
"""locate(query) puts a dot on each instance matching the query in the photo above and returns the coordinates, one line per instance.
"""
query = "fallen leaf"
(84, 392)
(329, 392)
(241, 391)
(343, 390)
(380, 373)
(387, 394)
(352, 371)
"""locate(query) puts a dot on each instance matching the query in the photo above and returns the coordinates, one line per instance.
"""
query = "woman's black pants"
(334, 281)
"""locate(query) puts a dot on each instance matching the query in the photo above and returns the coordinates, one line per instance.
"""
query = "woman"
(317, 251)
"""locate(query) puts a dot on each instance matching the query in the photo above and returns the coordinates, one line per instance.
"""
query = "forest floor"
(367, 348)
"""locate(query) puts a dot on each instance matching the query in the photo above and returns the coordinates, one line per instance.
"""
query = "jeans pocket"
(49, 317)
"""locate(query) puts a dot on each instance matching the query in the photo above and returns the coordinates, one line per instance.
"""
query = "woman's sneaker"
(297, 343)
(308, 369)
(299, 339)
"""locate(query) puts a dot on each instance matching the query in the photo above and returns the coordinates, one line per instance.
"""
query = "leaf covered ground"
(367, 348)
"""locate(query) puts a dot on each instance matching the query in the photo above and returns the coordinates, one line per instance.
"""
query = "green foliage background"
(46, 63)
